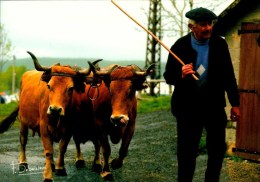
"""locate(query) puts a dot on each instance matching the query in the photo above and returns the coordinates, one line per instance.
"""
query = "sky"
(79, 29)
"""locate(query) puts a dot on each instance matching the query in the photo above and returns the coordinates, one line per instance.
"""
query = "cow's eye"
(48, 86)
(70, 90)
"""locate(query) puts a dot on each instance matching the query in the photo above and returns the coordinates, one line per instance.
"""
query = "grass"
(6, 109)
(150, 104)
(202, 144)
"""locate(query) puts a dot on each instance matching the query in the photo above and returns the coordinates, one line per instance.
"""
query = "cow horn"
(37, 65)
(137, 70)
(102, 72)
(88, 70)
(95, 62)
(146, 72)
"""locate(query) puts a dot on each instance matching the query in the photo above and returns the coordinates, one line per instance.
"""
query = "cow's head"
(61, 82)
(122, 82)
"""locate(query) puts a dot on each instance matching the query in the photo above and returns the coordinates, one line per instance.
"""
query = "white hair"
(192, 22)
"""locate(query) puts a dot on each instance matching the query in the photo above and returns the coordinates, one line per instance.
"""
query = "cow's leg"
(48, 152)
(47, 174)
(60, 164)
(106, 174)
(126, 139)
(80, 162)
(97, 167)
(23, 141)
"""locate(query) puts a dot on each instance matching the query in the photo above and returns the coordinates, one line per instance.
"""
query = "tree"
(6, 78)
(174, 20)
(5, 47)
(173, 16)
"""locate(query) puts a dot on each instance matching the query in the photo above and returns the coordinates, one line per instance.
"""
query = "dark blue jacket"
(220, 79)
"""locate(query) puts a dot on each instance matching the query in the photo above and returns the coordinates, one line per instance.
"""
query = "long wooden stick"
(156, 38)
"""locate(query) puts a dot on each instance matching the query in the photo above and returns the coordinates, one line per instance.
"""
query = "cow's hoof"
(80, 164)
(48, 180)
(61, 172)
(116, 164)
(97, 168)
(23, 167)
(107, 176)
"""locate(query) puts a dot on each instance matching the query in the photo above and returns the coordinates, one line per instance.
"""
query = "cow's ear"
(79, 83)
(141, 86)
(140, 83)
(107, 80)
(46, 76)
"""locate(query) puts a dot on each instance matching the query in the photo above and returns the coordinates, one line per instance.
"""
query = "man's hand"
(235, 114)
(187, 70)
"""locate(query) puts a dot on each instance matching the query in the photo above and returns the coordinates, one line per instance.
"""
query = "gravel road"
(151, 157)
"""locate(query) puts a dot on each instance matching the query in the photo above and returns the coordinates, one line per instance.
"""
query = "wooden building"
(240, 25)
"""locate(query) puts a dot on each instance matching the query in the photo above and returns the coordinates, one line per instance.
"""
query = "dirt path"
(151, 157)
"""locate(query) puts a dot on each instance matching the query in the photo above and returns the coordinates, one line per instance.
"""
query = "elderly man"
(199, 104)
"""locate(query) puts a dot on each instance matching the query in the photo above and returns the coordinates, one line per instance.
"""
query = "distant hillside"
(28, 63)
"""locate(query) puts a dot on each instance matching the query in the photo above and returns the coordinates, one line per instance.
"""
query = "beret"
(201, 14)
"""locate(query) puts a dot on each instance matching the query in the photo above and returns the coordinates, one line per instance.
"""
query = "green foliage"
(6, 109)
(151, 104)
(202, 145)
(6, 78)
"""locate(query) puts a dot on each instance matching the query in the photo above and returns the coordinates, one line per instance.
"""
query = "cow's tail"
(8, 121)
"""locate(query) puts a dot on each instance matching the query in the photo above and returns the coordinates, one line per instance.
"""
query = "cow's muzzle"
(119, 120)
(55, 110)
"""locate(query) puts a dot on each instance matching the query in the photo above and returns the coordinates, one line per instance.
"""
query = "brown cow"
(115, 108)
(55, 105)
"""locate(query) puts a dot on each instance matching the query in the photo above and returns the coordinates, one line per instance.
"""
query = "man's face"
(202, 30)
